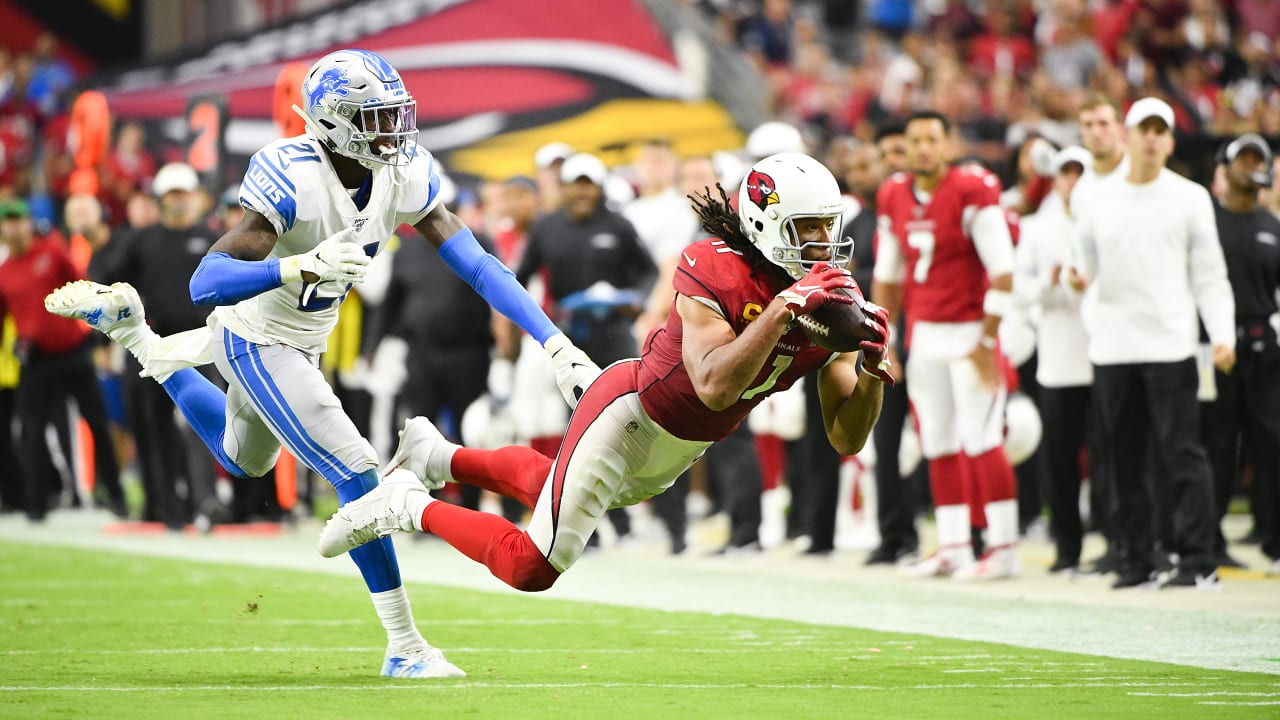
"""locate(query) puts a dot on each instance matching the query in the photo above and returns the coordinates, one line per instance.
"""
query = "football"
(837, 326)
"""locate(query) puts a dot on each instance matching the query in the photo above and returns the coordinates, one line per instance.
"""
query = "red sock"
(948, 480)
(772, 455)
(492, 541)
(514, 471)
(548, 445)
(994, 476)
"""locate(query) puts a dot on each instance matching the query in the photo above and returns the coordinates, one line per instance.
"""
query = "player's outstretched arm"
(850, 403)
(234, 267)
(496, 283)
(720, 363)
(237, 266)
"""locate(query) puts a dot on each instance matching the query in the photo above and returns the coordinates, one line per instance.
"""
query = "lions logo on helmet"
(332, 81)
(761, 190)
(357, 105)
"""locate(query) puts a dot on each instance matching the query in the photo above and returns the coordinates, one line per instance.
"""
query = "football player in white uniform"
(318, 207)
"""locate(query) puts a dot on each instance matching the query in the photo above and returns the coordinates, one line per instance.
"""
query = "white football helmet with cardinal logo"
(777, 192)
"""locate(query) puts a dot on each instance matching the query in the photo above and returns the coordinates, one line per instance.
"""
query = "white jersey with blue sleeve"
(292, 184)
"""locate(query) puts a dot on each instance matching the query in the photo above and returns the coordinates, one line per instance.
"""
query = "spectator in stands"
(87, 229)
(1071, 56)
(51, 76)
(547, 161)
(141, 211)
(129, 168)
(56, 362)
(663, 221)
(1163, 262)
(520, 205)
(766, 35)
(1001, 51)
(229, 212)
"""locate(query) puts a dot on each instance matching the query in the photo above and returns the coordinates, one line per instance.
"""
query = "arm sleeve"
(991, 238)
(496, 284)
(1208, 268)
(889, 266)
(223, 280)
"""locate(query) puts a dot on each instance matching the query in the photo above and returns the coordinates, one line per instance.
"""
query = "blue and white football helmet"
(357, 104)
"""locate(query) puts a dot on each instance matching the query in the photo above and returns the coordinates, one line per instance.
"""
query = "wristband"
(997, 302)
(988, 342)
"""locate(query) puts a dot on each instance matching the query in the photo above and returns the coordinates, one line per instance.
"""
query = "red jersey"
(945, 279)
(25, 280)
(712, 273)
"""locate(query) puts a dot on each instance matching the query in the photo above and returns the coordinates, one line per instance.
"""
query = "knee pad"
(256, 465)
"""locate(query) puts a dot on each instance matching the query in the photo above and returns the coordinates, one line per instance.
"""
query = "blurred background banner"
(601, 71)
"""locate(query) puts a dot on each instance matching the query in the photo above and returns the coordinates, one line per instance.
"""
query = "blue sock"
(376, 560)
(204, 405)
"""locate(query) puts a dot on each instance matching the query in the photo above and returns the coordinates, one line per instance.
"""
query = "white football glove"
(574, 370)
(338, 258)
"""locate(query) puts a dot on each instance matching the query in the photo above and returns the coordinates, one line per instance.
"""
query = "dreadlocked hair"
(721, 220)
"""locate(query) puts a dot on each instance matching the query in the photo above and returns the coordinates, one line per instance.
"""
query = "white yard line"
(449, 685)
(1235, 629)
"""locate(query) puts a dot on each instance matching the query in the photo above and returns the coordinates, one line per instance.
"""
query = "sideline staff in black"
(1248, 404)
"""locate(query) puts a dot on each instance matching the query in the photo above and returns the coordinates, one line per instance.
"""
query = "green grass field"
(105, 635)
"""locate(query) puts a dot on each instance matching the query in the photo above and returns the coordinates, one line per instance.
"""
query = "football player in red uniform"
(945, 257)
(730, 342)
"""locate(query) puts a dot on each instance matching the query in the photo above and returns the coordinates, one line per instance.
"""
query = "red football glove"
(818, 287)
(875, 352)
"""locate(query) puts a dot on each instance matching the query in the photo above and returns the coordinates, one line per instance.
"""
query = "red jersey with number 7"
(712, 273)
(945, 279)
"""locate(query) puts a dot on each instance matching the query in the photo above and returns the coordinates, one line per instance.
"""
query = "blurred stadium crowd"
(841, 75)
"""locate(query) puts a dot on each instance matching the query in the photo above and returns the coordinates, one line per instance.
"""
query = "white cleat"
(377, 514)
(996, 564)
(427, 662)
(109, 308)
(939, 564)
(423, 451)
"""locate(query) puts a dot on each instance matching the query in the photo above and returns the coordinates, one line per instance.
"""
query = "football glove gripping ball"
(339, 258)
(817, 288)
(574, 370)
(874, 352)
